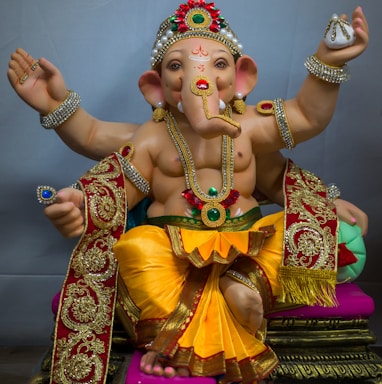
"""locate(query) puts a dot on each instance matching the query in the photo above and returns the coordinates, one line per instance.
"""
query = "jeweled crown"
(196, 18)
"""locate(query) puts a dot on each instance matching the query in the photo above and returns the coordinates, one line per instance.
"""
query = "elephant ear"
(151, 87)
(246, 75)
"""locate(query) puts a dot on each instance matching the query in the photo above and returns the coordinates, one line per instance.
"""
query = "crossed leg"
(245, 303)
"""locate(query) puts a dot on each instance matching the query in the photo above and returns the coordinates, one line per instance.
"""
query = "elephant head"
(199, 69)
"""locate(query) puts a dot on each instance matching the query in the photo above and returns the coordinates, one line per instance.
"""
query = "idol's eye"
(221, 64)
(174, 65)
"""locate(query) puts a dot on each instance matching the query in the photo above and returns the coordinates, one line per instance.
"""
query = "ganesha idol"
(191, 283)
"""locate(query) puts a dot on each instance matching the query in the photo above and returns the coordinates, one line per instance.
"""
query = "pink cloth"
(353, 303)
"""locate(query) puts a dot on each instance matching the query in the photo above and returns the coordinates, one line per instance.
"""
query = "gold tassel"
(308, 287)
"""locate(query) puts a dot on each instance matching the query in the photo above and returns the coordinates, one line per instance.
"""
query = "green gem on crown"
(198, 18)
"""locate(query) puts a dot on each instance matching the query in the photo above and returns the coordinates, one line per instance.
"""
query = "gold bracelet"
(325, 72)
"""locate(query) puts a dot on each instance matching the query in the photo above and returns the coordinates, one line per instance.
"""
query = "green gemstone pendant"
(213, 214)
(212, 191)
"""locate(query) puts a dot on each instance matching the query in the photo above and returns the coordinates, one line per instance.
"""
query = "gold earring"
(159, 112)
(239, 104)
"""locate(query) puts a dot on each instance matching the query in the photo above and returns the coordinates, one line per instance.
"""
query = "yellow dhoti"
(172, 277)
(167, 286)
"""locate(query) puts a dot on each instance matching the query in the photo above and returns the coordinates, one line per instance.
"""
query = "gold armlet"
(276, 108)
(132, 173)
(282, 123)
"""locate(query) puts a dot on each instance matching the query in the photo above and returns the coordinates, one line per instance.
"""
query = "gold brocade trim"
(86, 311)
(127, 312)
(166, 342)
(147, 330)
(234, 224)
(246, 370)
(308, 271)
(255, 243)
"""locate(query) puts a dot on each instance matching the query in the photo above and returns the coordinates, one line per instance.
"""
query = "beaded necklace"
(213, 207)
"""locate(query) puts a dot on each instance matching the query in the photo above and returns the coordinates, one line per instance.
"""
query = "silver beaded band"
(328, 73)
(242, 279)
(333, 192)
(62, 113)
(282, 123)
(134, 175)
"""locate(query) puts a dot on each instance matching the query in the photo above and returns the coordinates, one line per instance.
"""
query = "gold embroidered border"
(308, 270)
(86, 311)
(166, 341)
(255, 243)
(128, 313)
(239, 223)
(246, 370)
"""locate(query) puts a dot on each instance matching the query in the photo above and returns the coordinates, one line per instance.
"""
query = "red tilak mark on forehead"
(199, 52)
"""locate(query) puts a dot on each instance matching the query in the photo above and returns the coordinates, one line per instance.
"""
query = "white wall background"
(102, 46)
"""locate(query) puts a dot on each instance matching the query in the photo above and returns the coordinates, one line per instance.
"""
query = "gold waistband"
(239, 223)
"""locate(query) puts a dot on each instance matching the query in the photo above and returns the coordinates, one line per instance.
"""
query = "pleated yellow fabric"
(198, 330)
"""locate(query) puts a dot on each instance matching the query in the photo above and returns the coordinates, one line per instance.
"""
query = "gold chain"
(189, 166)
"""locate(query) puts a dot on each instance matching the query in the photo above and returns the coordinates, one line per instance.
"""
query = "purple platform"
(353, 303)
(135, 376)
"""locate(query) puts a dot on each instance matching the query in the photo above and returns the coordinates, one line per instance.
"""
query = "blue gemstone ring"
(46, 194)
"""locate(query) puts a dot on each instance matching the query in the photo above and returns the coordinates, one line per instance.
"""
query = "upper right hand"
(44, 88)
(67, 213)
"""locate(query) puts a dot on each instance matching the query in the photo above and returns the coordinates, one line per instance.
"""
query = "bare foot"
(151, 365)
(245, 303)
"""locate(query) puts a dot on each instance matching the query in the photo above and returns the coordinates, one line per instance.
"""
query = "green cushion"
(351, 235)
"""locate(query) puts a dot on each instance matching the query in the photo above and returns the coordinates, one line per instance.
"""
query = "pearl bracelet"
(62, 113)
(328, 73)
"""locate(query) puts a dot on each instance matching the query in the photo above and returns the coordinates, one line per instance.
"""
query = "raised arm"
(308, 114)
(315, 103)
(41, 85)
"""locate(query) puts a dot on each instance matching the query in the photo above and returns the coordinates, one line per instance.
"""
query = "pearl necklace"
(213, 205)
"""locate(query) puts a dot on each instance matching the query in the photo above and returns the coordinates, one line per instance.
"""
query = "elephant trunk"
(202, 106)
